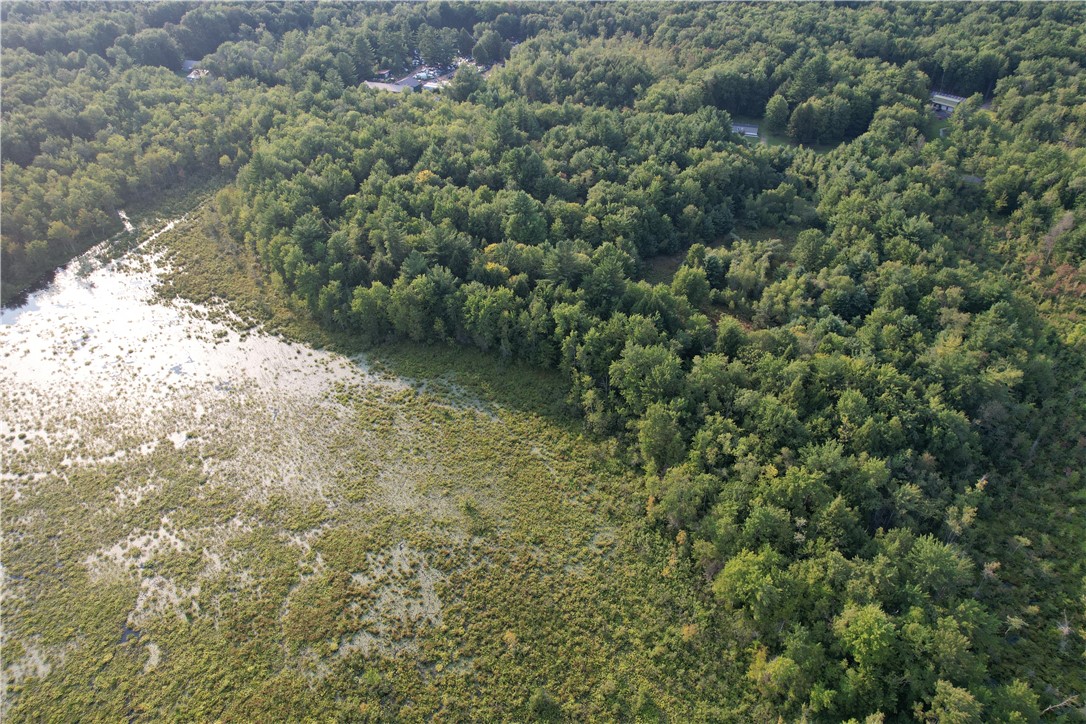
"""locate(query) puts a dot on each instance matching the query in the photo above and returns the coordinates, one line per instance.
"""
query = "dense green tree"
(465, 81)
(524, 222)
(803, 125)
(436, 46)
(488, 49)
(659, 440)
(645, 374)
(776, 114)
(154, 46)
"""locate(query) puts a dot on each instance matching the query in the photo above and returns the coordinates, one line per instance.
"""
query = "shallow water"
(101, 333)
(95, 369)
(98, 338)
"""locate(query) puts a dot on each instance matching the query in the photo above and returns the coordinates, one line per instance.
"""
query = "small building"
(944, 102)
(197, 74)
(745, 130)
(434, 86)
(392, 87)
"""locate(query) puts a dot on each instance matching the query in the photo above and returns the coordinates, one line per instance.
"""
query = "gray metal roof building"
(945, 102)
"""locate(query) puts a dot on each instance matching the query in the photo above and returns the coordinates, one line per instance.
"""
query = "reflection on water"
(97, 335)
(101, 383)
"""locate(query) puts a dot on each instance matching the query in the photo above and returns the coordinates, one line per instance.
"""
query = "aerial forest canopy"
(848, 362)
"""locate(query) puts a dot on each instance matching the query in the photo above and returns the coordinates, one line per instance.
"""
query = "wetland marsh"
(205, 520)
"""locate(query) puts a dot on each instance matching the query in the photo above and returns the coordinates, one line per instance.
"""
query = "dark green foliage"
(466, 81)
(776, 114)
(543, 706)
(155, 47)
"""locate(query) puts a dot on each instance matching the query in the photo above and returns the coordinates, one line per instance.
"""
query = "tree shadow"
(451, 372)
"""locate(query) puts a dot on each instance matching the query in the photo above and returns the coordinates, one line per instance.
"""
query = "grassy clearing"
(934, 126)
(784, 233)
(661, 269)
(432, 539)
(778, 139)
